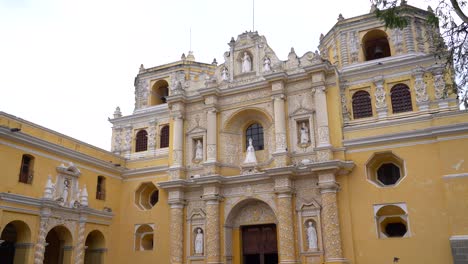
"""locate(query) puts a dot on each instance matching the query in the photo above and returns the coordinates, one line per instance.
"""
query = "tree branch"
(458, 10)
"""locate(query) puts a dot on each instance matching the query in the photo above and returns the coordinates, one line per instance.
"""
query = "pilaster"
(380, 97)
(213, 243)
(284, 192)
(422, 99)
(330, 221)
(176, 202)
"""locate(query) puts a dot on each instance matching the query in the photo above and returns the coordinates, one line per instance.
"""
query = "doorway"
(259, 244)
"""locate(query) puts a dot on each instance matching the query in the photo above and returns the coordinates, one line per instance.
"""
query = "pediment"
(311, 205)
(196, 130)
(302, 111)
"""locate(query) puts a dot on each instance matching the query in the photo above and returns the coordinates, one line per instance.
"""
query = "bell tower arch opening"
(375, 45)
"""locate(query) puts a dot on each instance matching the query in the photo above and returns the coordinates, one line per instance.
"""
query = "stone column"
(322, 116)
(176, 203)
(409, 38)
(80, 245)
(280, 123)
(41, 241)
(281, 153)
(380, 97)
(286, 251)
(211, 135)
(330, 221)
(178, 141)
(213, 243)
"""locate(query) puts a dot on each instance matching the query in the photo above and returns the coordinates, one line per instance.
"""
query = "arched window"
(26, 170)
(164, 141)
(376, 45)
(141, 142)
(254, 131)
(362, 106)
(401, 98)
(101, 188)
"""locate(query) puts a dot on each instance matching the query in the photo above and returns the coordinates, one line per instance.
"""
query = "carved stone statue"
(311, 236)
(304, 134)
(224, 74)
(250, 156)
(199, 242)
(66, 187)
(266, 64)
(199, 150)
(246, 63)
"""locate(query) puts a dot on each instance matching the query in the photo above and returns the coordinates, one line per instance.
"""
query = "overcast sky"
(67, 64)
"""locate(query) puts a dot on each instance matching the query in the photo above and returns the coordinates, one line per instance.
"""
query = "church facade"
(351, 154)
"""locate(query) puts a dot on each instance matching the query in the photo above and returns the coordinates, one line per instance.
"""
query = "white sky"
(66, 64)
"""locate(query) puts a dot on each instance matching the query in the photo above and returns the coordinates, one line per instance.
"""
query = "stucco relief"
(397, 38)
(141, 94)
(420, 40)
(306, 190)
(286, 229)
(128, 139)
(380, 100)
(152, 135)
(117, 142)
(420, 89)
(439, 86)
(353, 46)
(330, 226)
(255, 212)
(231, 150)
(244, 97)
(176, 234)
(300, 103)
(323, 135)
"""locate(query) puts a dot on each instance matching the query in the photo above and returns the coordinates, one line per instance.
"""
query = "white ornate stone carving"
(304, 134)
(439, 86)
(128, 139)
(380, 95)
(152, 135)
(141, 94)
(117, 143)
(420, 86)
(397, 38)
(255, 212)
(353, 46)
(280, 141)
(323, 134)
(293, 60)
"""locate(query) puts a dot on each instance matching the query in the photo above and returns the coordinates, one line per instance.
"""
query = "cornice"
(336, 166)
(148, 112)
(23, 138)
(408, 135)
(138, 172)
(40, 203)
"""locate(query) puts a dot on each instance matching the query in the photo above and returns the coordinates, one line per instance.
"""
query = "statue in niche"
(250, 156)
(246, 63)
(304, 139)
(66, 187)
(311, 236)
(266, 64)
(199, 150)
(199, 242)
(224, 74)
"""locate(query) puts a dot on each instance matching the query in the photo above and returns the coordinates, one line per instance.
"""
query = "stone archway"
(246, 213)
(58, 249)
(95, 247)
(15, 243)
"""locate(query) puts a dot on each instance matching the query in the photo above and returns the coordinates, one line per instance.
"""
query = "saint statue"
(311, 236)
(304, 134)
(65, 192)
(199, 242)
(199, 150)
(224, 74)
(250, 156)
(266, 64)
(246, 63)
